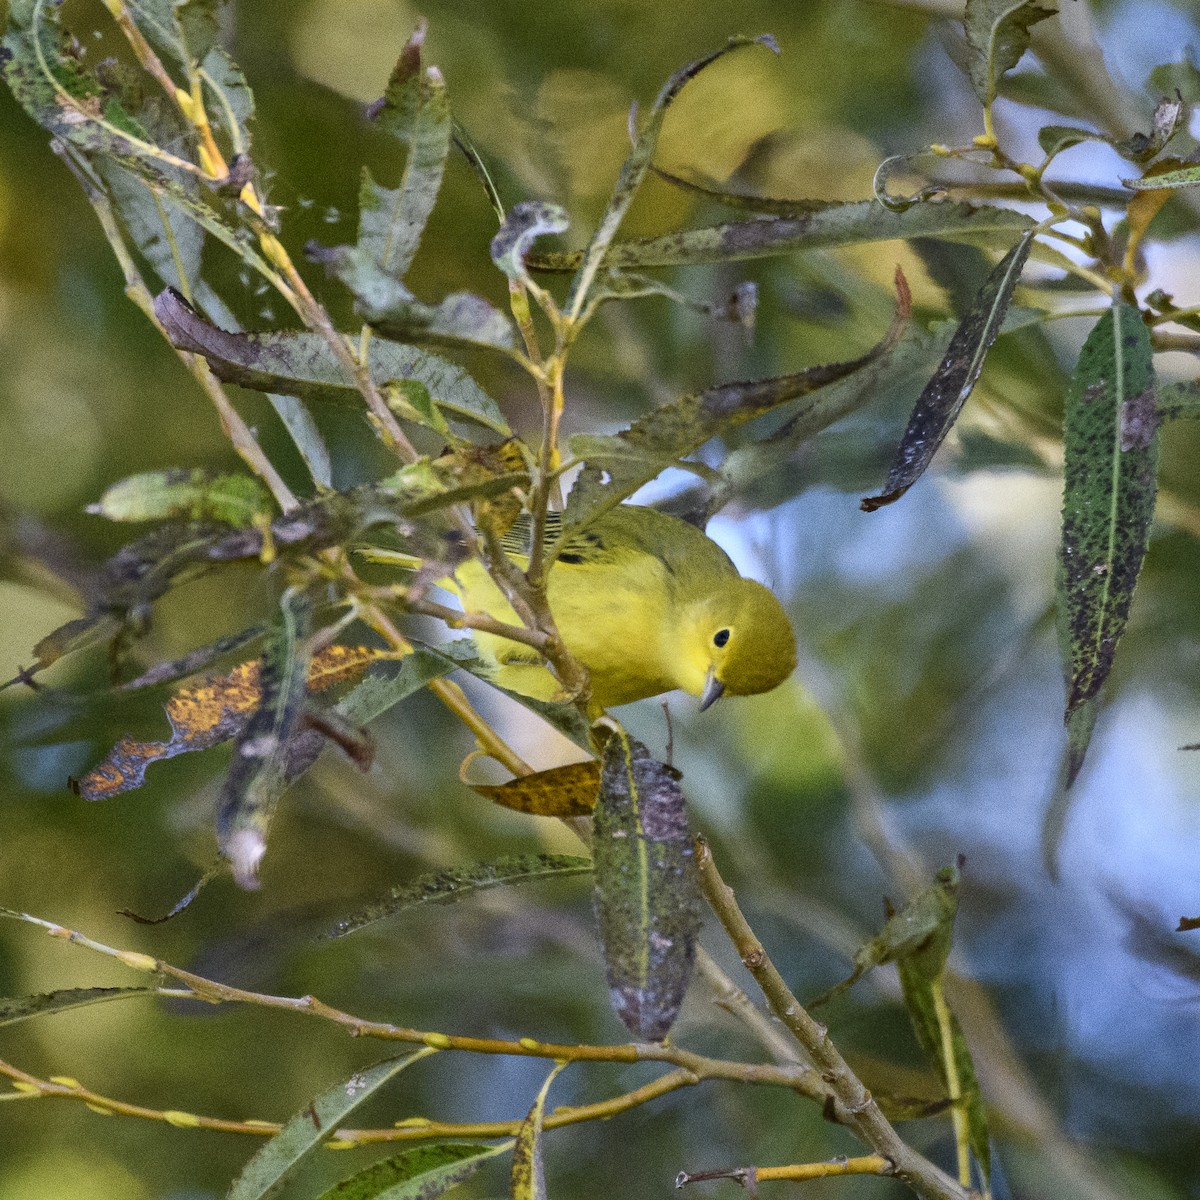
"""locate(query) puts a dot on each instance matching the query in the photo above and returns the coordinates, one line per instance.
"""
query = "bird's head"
(739, 640)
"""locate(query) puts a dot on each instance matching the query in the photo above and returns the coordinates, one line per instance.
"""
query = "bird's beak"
(714, 689)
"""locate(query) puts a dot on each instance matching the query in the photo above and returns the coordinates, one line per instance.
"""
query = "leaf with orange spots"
(211, 712)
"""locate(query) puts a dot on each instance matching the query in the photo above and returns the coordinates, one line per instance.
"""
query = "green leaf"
(941, 401)
(304, 365)
(919, 933)
(1183, 178)
(422, 1173)
(634, 169)
(461, 319)
(997, 36)
(1179, 400)
(646, 891)
(444, 887)
(22, 1008)
(1182, 77)
(415, 110)
(258, 774)
(616, 466)
(194, 494)
(384, 688)
(1054, 139)
(528, 1170)
(312, 1125)
(49, 82)
(1111, 450)
(851, 224)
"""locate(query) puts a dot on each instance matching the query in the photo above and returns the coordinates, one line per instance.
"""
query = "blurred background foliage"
(925, 719)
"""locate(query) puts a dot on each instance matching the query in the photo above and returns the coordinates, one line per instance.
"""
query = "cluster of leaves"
(171, 172)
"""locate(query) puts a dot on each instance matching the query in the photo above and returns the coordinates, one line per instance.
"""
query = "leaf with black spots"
(646, 889)
(1111, 451)
(939, 404)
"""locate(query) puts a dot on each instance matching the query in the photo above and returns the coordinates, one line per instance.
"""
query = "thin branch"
(868, 1120)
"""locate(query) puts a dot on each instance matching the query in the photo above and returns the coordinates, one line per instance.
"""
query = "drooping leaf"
(258, 773)
(997, 36)
(422, 1173)
(445, 887)
(568, 791)
(528, 1179)
(312, 1125)
(616, 466)
(940, 403)
(634, 169)
(1054, 139)
(193, 494)
(304, 365)
(646, 890)
(851, 224)
(14, 1009)
(1110, 473)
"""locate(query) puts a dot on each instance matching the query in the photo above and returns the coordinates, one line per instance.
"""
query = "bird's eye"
(720, 637)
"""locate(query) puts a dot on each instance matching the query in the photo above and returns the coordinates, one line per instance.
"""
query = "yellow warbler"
(647, 603)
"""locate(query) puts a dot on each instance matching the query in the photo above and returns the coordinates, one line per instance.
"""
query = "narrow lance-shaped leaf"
(422, 1173)
(414, 109)
(848, 225)
(997, 35)
(193, 494)
(445, 887)
(311, 1126)
(528, 1180)
(634, 169)
(22, 1008)
(1110, 480)
(940, 403)
(646, 890)
(615, 467)
(304, 365)
(258, 773)
(1183, 178)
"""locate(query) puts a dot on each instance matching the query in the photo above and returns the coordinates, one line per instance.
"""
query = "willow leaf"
(646, 891)
(528, 1178)
(634, 169)
(312, 1125)
(941, 401)
(14, 1009)
(422, 1173)
(304, 364)
(997, 36)
(616, 466)
(1111, 450)
(444, 887)
(850, 224)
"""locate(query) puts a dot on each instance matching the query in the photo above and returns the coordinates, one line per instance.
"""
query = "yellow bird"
(647, 603)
